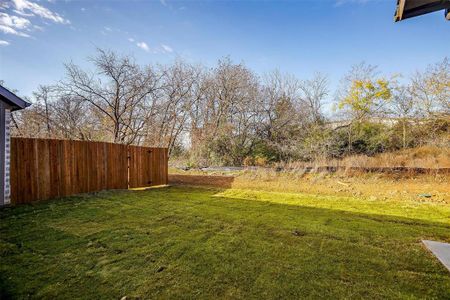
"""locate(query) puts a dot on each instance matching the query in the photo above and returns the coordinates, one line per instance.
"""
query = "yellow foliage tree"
(366, 97)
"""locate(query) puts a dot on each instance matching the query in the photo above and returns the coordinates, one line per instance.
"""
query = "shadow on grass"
(213, 241)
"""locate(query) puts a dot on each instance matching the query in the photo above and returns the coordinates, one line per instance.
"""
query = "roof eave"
(12, 99)
(409, 8)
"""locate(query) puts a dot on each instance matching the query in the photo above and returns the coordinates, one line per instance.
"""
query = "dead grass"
(411, 186)
(420, 188)
(421, 157)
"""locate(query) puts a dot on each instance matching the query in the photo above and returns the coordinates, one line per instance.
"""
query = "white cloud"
(83, 9)
(20, 23)
(166, 48)
(342, 2)
(14, 25)
(106, 30)
(4, 43)
(25, 7)
(9, 30)
(163, 2)
(143, 46)
(13, 21)
(4, 5)
(160, 49)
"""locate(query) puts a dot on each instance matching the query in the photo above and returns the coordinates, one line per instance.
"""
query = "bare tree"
(73, 119)
(281, 107)
(431, 89)
(177, 97)
(403, 107)
(225, 111)
(227, 114)
(119, 90)
(313, 94)
(42, 96)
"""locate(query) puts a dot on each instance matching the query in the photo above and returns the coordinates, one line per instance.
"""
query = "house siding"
(5, 148)
(3, 107)
(7, 185)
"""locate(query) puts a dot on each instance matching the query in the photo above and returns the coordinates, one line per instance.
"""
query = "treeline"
(228, 115)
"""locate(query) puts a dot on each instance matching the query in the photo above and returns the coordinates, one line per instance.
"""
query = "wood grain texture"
(43, 169)
(148, 166)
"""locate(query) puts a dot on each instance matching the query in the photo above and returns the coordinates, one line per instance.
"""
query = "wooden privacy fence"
(42, 169)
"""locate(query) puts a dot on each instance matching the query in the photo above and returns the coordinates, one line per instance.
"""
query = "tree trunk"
(404, 134)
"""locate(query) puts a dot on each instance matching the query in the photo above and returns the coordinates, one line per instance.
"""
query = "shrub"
(261, 161)
(248, 161)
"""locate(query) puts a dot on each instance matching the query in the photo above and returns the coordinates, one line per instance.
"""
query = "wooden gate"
(147, 166)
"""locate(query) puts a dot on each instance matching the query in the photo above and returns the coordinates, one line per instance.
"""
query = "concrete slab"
(440, 250)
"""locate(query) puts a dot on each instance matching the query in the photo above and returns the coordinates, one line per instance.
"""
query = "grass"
(188, 242)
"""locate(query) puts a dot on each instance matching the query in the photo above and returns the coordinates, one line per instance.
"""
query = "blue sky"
(299, 37)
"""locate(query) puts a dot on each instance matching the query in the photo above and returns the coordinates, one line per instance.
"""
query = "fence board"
(45, 168)
(148, 166)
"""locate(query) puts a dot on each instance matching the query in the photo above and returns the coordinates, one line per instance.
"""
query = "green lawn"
(185, 242)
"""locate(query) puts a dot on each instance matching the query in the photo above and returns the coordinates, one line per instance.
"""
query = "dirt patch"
(203, 180)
